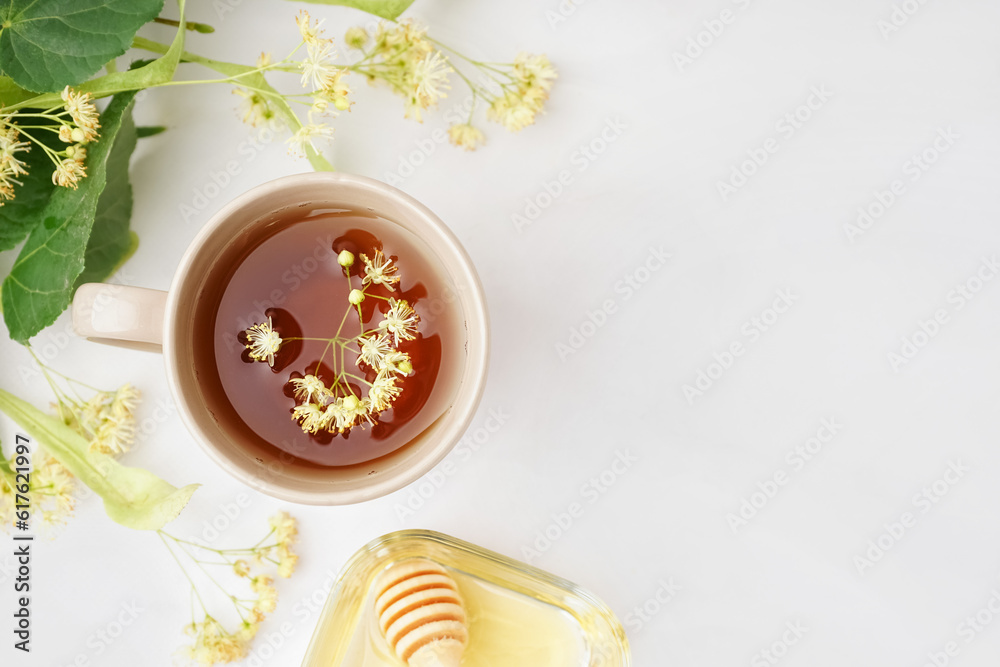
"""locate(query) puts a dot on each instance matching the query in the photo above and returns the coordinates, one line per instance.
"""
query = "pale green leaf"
(133, 497)
(6, 472)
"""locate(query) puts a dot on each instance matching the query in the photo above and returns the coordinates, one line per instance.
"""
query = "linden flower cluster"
(75, 122)
(212, 642)
(256, 108)
(327, 93)
(50, 488)
(338, 407)
(106, 420)
(525, 87)
(405, 58)
(414, 66)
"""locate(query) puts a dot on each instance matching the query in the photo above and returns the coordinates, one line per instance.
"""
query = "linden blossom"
(76, 122)
(337, 408)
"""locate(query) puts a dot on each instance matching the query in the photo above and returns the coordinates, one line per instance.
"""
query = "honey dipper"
(420, 614)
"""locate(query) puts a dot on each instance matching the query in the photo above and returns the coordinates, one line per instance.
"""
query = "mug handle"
(119, 315)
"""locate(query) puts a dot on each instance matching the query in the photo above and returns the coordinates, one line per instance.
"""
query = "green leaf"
(144, 131)
(111, 242)
(157, 72)
(133, 497)
(193, 26)
(48, 44)
(40, 284)
(22, 214)
(11, 93)
(387, 9)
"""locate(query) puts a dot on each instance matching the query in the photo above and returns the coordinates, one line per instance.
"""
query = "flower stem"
(257, 80)
(52, 155)
(321, 357)
(187, 576)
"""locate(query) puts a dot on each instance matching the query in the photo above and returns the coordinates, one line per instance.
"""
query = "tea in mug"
(331, 340)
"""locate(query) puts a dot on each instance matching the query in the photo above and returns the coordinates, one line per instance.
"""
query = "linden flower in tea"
(338, 407)
(263, 341)
(379, 271)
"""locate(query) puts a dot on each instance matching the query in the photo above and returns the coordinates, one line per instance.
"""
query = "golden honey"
(517, 616)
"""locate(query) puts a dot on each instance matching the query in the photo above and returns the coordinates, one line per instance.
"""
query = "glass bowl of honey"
(499, 612)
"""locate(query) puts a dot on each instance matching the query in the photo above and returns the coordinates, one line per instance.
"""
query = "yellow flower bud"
(356, 297)
(345, 258)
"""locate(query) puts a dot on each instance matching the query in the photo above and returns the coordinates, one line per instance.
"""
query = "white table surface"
(664, 522)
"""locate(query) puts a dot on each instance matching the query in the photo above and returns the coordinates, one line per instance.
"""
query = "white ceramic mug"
(154, 319)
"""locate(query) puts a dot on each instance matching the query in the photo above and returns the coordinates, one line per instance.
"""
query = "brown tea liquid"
(292, 276)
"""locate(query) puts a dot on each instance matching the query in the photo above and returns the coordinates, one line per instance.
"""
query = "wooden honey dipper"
(420, 614)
